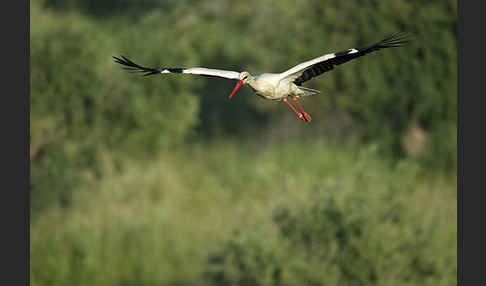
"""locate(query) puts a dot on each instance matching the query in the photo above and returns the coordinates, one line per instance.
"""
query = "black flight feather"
(395, 40)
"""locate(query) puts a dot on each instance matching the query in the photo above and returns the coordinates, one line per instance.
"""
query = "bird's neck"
(252, 83)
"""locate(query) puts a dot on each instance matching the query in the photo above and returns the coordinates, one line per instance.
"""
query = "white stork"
(280, 86)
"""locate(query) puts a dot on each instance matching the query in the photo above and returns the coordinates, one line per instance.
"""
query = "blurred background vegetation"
(163, 181)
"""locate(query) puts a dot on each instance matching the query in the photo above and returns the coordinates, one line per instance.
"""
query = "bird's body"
(275, 87)
(267, 86)
(280, 86)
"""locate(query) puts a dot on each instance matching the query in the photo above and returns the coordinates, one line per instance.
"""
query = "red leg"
(306, 115)
(291, 107)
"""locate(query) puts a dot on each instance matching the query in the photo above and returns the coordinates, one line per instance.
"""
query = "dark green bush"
(243, 261)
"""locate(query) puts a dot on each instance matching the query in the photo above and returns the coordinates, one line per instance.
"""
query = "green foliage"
(81, 102)
(383, 93)
(362, 223)
(244, 261)
(315, 215)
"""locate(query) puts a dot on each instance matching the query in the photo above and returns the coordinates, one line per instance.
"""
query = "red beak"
(238, 85)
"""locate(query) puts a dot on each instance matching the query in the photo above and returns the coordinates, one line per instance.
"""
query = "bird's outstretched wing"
(131, 66)
(315, 67)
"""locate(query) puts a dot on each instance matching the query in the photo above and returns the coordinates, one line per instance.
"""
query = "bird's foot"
(307, 117)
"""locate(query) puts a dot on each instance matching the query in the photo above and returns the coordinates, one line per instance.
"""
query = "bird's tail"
(305, 91)
(133, 67)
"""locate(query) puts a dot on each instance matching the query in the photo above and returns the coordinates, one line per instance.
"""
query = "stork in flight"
(280, 86)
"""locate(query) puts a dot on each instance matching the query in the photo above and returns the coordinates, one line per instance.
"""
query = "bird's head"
(244, 78)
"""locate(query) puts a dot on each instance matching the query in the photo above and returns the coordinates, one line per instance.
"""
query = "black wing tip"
(397, 39)
(133, 67)
(123, 60)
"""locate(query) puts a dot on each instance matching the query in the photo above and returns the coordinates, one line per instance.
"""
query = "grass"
(226, 213)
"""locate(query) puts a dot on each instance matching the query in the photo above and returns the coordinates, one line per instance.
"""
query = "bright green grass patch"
(223, 213)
